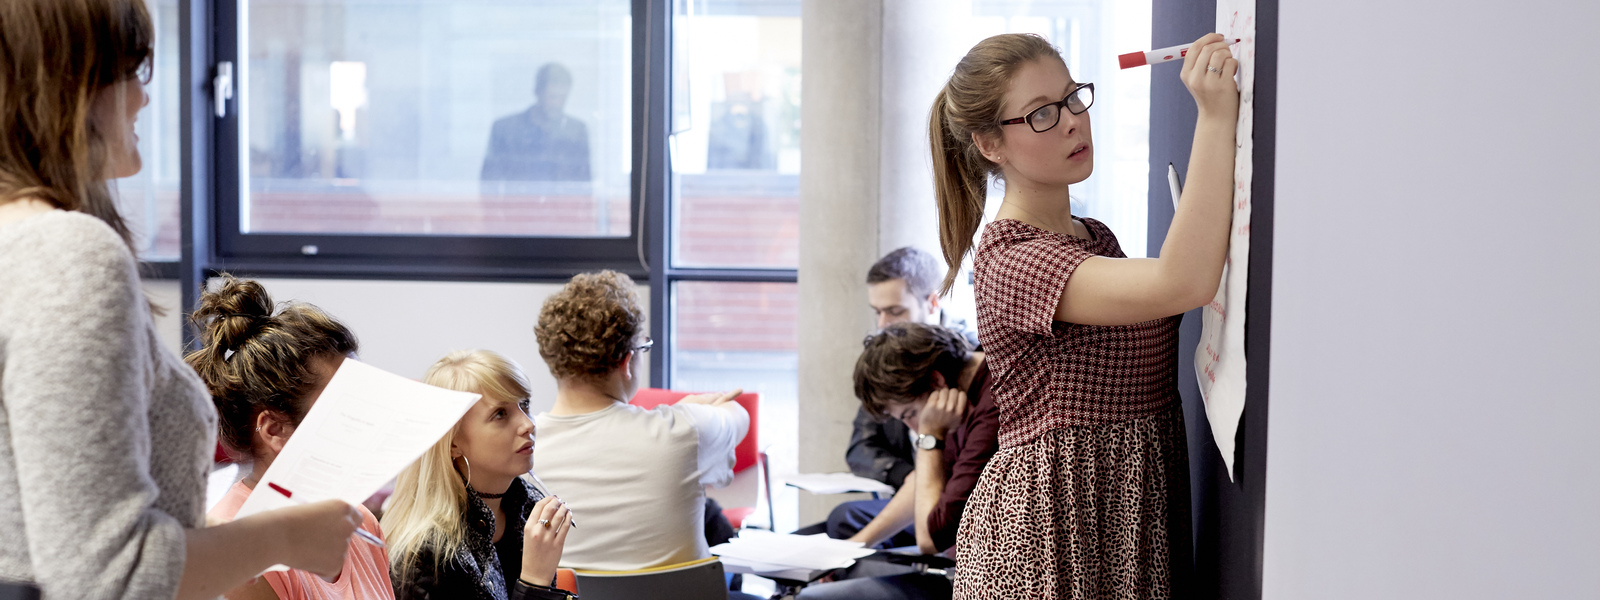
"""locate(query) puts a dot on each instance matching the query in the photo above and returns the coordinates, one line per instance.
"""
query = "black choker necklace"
(488, 496)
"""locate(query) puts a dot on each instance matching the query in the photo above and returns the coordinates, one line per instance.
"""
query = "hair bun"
(231, 314)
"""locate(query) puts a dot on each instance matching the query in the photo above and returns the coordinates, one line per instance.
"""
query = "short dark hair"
(898, 363)
(919, 270)
(551, 73)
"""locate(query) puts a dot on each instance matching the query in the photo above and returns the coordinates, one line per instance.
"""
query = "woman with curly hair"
(634, 477)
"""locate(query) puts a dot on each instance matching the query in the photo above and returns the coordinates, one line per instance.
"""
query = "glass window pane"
(742, 335)
(736, 124)
(451, 117)
(1089, 35)
(149, 200)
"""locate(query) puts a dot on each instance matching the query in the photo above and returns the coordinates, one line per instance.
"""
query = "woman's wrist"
(532, 573)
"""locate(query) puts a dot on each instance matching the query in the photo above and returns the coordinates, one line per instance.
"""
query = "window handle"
(222, 87)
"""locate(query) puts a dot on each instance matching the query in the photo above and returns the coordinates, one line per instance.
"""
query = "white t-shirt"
(634, 479)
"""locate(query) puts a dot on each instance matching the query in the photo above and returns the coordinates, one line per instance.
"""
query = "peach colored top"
(366, 567)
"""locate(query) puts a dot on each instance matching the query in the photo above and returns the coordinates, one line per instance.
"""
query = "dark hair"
(550, 73)
(919, 270)
(254, 361)
(56, 57)
(899, 361)
(968, 105)
(587, 328)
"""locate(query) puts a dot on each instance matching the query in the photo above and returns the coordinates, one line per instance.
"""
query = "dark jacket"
(480, 568)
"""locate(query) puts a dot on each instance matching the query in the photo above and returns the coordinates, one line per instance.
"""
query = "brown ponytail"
(969, 105)
(254, 361)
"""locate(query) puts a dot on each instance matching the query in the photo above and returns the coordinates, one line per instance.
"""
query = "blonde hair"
(968, 105)
(430, 496)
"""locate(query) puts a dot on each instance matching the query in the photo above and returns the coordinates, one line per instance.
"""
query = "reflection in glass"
(470, 117)
(149, 200)
(736, 124)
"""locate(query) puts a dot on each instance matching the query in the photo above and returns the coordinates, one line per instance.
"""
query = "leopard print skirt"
(1087, 512)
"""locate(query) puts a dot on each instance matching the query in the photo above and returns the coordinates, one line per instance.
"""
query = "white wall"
(1435, 277)
(404, 326)
(168, 296)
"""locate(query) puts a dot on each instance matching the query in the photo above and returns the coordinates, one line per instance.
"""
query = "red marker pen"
(1139, 59)
(362, 533)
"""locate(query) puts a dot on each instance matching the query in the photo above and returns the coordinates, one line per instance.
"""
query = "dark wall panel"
(1228, 515)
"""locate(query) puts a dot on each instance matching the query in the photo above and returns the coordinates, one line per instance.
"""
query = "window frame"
(212, 183)
(401, 256)
(661, 248)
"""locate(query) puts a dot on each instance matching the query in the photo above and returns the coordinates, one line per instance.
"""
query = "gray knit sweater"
(105, 436)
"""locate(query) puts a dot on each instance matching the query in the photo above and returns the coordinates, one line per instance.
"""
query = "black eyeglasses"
(1046, 117)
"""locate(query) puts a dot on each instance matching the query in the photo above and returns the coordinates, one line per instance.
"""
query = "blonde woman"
(457, 523)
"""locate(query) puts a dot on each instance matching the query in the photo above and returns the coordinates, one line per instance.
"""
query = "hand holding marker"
(365, 535)
(1139, 59)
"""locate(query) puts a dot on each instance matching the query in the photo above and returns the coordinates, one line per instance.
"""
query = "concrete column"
(922, 40)
(839, 186)
(870, 69)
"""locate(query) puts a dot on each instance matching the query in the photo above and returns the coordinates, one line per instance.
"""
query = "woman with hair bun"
(265, 368)
(105, 436)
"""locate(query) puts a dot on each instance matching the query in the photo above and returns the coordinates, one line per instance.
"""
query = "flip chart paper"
(1219, 360)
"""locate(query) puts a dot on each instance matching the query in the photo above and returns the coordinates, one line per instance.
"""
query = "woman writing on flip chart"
(1088, 494)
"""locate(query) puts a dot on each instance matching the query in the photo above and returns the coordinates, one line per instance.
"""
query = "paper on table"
(365, 428)
(1219, 361)
(813, 552)
(835, 483)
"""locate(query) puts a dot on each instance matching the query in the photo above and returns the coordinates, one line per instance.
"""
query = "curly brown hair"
(899, 361)
(588, 328)
(254, 361)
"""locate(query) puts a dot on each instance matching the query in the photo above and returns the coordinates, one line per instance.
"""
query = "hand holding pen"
(364, 535)
(544, 491)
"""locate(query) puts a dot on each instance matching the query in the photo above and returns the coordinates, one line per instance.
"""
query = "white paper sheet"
(1219, 360)
(835, 483)
(219, 482)
(367, 426)
(782, 551)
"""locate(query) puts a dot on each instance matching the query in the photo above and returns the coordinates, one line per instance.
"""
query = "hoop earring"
(468, 480)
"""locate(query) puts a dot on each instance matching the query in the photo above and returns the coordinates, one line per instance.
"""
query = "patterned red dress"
(1088, 496)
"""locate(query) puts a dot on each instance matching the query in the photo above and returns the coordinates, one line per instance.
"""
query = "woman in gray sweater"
(105, 437)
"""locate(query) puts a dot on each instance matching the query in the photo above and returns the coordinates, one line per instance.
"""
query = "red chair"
(747, 454)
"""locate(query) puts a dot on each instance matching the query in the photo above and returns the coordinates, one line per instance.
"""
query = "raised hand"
(1208, 72)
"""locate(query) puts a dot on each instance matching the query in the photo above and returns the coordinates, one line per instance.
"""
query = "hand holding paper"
(364, 429)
